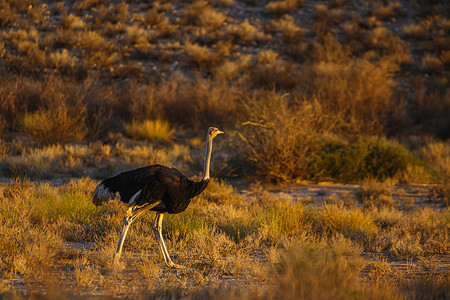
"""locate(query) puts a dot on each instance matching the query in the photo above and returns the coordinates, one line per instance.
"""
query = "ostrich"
(157, 188)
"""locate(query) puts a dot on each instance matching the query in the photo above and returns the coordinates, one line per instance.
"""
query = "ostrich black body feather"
(156, 183)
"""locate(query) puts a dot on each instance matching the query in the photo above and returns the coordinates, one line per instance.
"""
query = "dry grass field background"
(352, 93)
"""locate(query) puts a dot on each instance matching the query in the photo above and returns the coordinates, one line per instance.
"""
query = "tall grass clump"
(375, 193)
(329, 220)
(326, 269)
(150, 129)
(281, 222)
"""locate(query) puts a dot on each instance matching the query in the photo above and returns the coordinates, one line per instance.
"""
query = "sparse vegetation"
(44, 226)
(340, 91)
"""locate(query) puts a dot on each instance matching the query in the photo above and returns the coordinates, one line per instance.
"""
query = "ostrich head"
(212, 132)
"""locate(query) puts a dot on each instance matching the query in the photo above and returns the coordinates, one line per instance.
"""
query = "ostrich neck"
(207, 158)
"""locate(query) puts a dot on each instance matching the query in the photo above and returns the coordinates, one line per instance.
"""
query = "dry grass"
(307, 85)
(151, 130)
(277, 147)
(311, 252)
(95, 160)
(55, 126)
(283, 6)
(374, 193)
(341, 54)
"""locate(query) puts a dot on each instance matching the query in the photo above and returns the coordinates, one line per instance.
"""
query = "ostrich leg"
(157, 226)
(133, 213)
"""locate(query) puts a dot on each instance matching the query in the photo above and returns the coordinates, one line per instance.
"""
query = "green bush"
(378, 159)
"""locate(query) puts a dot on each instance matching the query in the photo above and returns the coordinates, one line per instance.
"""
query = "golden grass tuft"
(289, 29)
(150, 129)
(431, 63)
(62, 59)
(54, 126)
(246, 33)
(282, 6)
(375, 193)
(72, 21)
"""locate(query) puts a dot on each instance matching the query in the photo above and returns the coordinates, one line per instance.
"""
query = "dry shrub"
(415, 30)
(149, 129)
(101, 102)
(204, 57)
(58, 7)
(56, 125)
(59, 116)
(201, 103)
(83, 5)
(246, 33)
(112, 13)
(430, 108)
(276, 146)
(3, 124)
(153, 18)
(12, 103)
(375, 193)
(226, 3)
(425, 287)
(321, 270)
(103, 59)
(160, 24)
(92, 41)
(61, 60)
(148, 268)
(382, 45)
(201, 13)
(72, 22)
(7, 13)
(415, 173)
(324, 17)
(136, 36)
(271, 71)
(229, 70)
(192, 11)
(200, 56)
(379, 269)
(34, 56)
(85, 273)
(60, 107)
(441, 193)
(142, 101)
(409, 235)
(283, 6)
(291, 33)
(431, 63)
(445, 57)
(357, 92)
(211, 18)
(384, 12)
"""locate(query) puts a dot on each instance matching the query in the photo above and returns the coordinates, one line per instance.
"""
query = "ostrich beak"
(220, 132)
